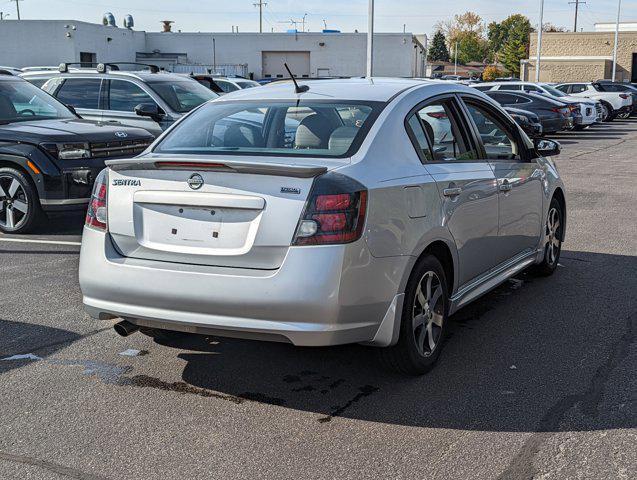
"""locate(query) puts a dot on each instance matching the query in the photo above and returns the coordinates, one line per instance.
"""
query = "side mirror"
(73, 111)
(546, 147)
(151, 110)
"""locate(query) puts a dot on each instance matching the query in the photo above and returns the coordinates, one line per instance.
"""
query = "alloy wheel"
(605, 113)
(428, 313)
(14, 203)
(553, 235)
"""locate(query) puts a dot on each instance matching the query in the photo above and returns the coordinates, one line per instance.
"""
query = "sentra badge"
(121, 182)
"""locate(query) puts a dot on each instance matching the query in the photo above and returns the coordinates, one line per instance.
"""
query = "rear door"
(83, 94)
(122, 96)
(519, 179)
(466, 183)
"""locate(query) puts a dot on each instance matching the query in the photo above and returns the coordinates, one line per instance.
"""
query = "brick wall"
(593, 44)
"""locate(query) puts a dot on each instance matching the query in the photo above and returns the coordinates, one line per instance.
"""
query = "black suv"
(49, 156)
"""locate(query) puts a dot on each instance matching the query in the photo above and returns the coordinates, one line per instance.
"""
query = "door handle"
(505, 187)
(452, 191)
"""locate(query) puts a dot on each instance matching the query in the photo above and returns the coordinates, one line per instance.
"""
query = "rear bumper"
(320, 296)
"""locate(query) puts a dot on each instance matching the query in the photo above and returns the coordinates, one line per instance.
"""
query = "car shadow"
(21, 338)
(529, 347)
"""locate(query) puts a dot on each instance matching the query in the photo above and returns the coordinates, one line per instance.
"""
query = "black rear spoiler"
(222, 165)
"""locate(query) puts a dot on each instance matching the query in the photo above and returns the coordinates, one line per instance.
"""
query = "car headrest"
(7, 110)
(242, 136)
(429, 130)
(313, 132)
(342, 138)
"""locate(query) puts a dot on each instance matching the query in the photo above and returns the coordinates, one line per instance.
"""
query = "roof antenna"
(297, 88)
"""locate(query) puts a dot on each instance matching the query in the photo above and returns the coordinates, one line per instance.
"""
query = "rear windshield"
(305, 128)
(182, 96)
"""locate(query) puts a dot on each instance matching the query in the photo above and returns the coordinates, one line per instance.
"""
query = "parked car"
(527, 120)
(553, 114)
(610, 86)
(150, 99)
(362, 226)
(590, 111)
(49, 157)
(613, 103)
(223, 85)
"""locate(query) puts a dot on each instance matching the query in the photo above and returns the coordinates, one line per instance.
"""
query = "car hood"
(68, 130)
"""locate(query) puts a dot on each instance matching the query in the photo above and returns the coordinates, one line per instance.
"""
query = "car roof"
(354, 89)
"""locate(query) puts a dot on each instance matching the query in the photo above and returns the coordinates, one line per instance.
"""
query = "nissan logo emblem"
(121, 134)
(195, 181)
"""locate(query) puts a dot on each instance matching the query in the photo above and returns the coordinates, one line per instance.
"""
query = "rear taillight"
(96, 215)
(334, 213)
(564, 111)
(623, 95)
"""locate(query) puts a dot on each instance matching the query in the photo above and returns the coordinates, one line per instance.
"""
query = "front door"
(466, 185)
(519, 180)
(121, 99)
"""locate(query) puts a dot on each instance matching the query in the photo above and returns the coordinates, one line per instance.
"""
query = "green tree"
(438, 51)
(471, 47)
(513, 51)
(509, 41)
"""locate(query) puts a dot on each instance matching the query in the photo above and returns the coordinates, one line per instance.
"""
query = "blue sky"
(217, 15)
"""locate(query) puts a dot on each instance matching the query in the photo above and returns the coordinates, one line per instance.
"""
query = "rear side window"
(438, 135)
(531, 88)
(483, 88)
(504, 98)
(125, 96)
(562, 88)
(80, 92)
(578, 88)
(227, 86)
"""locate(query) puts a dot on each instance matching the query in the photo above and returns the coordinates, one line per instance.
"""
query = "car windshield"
(554, 91)
(21, 101)
(281, 128)
(182, 96)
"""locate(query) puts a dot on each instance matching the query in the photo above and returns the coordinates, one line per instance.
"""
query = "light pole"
(370, 40)
(619, 7)
(539, 42)
(455, 62)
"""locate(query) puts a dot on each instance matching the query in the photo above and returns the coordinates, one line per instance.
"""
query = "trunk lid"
(241, 214)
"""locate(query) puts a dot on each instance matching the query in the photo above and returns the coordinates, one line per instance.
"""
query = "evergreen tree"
(438, 51)
(514, 50)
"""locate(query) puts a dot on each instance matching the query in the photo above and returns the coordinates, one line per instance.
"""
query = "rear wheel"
(423, 320)
(552, 239)
(19, 205)
(623, 115)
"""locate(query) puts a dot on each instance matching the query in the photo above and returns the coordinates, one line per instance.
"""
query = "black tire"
(579, 128)
(406, 356)
(609, 112)
(552, 256)
(12, 217)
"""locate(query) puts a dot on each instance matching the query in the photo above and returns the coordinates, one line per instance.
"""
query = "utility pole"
(260, 4)
(370, 39)
(539, 42)
(17, 7)
(619, 7)
(576, 2)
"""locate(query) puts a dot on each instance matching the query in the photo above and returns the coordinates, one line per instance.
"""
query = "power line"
(576, 2)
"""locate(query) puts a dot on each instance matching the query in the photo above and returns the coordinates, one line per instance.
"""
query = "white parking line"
(48, 242)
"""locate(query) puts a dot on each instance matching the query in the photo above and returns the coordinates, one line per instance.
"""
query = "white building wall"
(344, 54)
(45, 42)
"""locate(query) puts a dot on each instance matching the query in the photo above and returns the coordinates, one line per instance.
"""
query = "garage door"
(299, 63)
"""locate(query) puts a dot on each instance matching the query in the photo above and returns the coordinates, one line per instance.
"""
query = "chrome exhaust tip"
(125, 328)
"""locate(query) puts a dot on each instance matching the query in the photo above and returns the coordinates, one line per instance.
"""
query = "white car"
(591, 110)
(613, 103)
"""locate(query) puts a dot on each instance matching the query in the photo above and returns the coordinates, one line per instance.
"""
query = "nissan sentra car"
(324, 214)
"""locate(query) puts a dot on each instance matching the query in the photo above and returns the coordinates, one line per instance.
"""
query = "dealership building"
(584, 56)
(260, 55)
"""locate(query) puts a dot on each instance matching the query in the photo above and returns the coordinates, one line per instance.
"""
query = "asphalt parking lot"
(537, 379)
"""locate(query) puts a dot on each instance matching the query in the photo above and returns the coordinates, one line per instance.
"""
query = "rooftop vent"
(129, 22)
(109, 20)
(167, 25)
